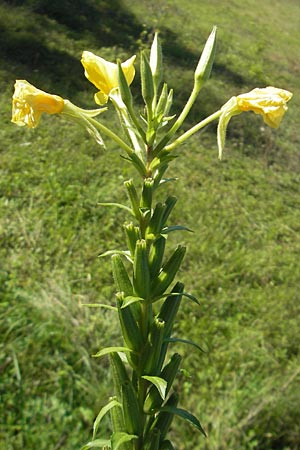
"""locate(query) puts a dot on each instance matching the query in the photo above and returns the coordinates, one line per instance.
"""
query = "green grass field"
(243, 257)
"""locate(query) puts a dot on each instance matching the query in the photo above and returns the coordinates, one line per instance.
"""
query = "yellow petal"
(270, 102)
(104, 74)
(29, 103)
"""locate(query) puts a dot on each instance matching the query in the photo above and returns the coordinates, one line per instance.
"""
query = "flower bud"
(205, 63)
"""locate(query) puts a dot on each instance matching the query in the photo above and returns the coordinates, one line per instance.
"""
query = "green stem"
(193, 130)
(179, 121)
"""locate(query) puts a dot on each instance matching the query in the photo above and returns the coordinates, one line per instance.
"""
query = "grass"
(242, 258)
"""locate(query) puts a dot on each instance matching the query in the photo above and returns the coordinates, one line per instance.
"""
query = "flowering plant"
(148, 294)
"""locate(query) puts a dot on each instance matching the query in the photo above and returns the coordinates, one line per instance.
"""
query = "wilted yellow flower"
(104, 74)
(270, 102)
(29, 103)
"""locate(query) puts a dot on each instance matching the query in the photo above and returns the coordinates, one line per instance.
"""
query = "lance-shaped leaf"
(185, 341)
(168, 272)
(184, 415)
(97, 443)
(107, 350)
(119, 373)
(131, 410)
(170, 307)
(113, 403)
(159, 383)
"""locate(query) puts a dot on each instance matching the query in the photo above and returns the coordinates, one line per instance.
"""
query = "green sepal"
(121, 276)
(147, 84)
(130, 330)
(154, 400)
(132, 235)
(141, 272)
(118, 440)
(164, 418)
(152, 351)
(113, 403)
(131, 410)
(168, 272)
(123, 86)
(156, 255)
(135, 204)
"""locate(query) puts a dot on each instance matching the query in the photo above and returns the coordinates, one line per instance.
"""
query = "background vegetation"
(243, 259)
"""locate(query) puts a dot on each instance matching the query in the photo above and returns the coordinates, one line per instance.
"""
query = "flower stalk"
(148, 292)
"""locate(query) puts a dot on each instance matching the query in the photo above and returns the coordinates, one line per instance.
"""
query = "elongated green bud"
(130, 330)
(135, 204)
(160, 108)
(153, 400)
(164, 419)
(156, 255)
(156, 63)
(205, 63)
(155, 224)
(147, 83)
(123, 86)
(153, 348)
(121, 276)
(169, 205)
(131, 410)
(170, 308)
(132, 235)
(141, 272)
(147, 193)
(119, 373)
(168, 272)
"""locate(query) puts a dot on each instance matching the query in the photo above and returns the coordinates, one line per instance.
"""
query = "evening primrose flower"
(270, 102)
(104, 74)
(29, 103)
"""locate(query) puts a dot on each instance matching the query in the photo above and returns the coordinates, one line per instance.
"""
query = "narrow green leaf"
(117, 205)
(175, 228)
(120, 438)
(107, 350)
(130, 299)
(185, 341)
(159, 383)
(173, 294)
(125, 253)
(98, 443)
(99, 305)
(184, 415)
(111, 404)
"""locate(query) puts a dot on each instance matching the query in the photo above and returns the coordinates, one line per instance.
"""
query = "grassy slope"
(242, 259)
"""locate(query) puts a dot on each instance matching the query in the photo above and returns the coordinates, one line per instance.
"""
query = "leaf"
(174, 294)
(125, 253)
(107, 350)
(130, 299)
(175, 228)
(99, 305)
(112, 404)
(185, 341)
(98, 443)
(159, 383)
(184, 415)
(120, 438)
(117, 205)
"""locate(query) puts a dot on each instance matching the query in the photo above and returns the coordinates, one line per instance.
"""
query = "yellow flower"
(29, 103)
(270, 102)
(104, 74)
